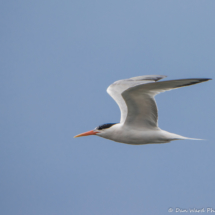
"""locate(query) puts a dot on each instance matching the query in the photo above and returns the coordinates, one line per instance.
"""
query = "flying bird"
(139, 114)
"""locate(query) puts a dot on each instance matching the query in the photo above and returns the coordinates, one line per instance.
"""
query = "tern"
(139, 115)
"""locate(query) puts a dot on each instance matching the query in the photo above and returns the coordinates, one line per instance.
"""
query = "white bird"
(139, 115)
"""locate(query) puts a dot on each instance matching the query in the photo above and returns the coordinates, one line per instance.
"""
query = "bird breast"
(122, 134)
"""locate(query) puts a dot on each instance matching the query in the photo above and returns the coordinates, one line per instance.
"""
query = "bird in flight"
(139, 114)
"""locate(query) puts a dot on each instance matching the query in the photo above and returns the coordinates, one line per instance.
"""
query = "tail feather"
(193, 138)
(179, 137)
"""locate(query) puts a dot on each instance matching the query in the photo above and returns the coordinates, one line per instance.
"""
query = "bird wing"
(142, 110)
(116, 89)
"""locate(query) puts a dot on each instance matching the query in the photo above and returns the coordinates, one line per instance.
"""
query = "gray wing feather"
(142, 109)
(116, 89)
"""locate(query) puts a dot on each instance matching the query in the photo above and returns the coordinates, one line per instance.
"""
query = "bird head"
(97, 131)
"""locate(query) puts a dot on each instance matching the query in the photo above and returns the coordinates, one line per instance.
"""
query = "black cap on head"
(104, 126)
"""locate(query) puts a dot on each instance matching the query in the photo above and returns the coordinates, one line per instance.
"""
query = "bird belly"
(138, 137)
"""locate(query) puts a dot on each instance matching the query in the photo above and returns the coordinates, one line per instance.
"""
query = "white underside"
(121, 133)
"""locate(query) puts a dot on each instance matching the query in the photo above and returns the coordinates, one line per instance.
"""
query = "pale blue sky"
(57, 59)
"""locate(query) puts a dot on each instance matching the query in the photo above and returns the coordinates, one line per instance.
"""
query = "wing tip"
(205, 79)
(208, 79)
(195, 81)
(148, 78)
(159, 77)
(199, 80)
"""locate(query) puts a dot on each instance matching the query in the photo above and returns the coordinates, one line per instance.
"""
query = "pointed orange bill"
(86, 134)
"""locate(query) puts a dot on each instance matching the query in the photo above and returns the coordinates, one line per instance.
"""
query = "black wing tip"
(195, 81)
(159, 77)
(198, 80)
(205, 79)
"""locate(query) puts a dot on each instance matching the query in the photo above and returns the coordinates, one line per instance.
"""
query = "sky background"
(57, 60)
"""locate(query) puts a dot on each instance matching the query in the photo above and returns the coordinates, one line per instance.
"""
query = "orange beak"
(86, 134)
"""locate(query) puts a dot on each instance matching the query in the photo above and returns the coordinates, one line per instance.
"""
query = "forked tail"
(179, 137)
(193, 138)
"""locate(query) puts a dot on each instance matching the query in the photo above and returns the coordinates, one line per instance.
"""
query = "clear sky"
(57, 60)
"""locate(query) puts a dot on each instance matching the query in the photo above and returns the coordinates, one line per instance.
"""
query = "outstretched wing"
(141, 106)
(116, 89)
